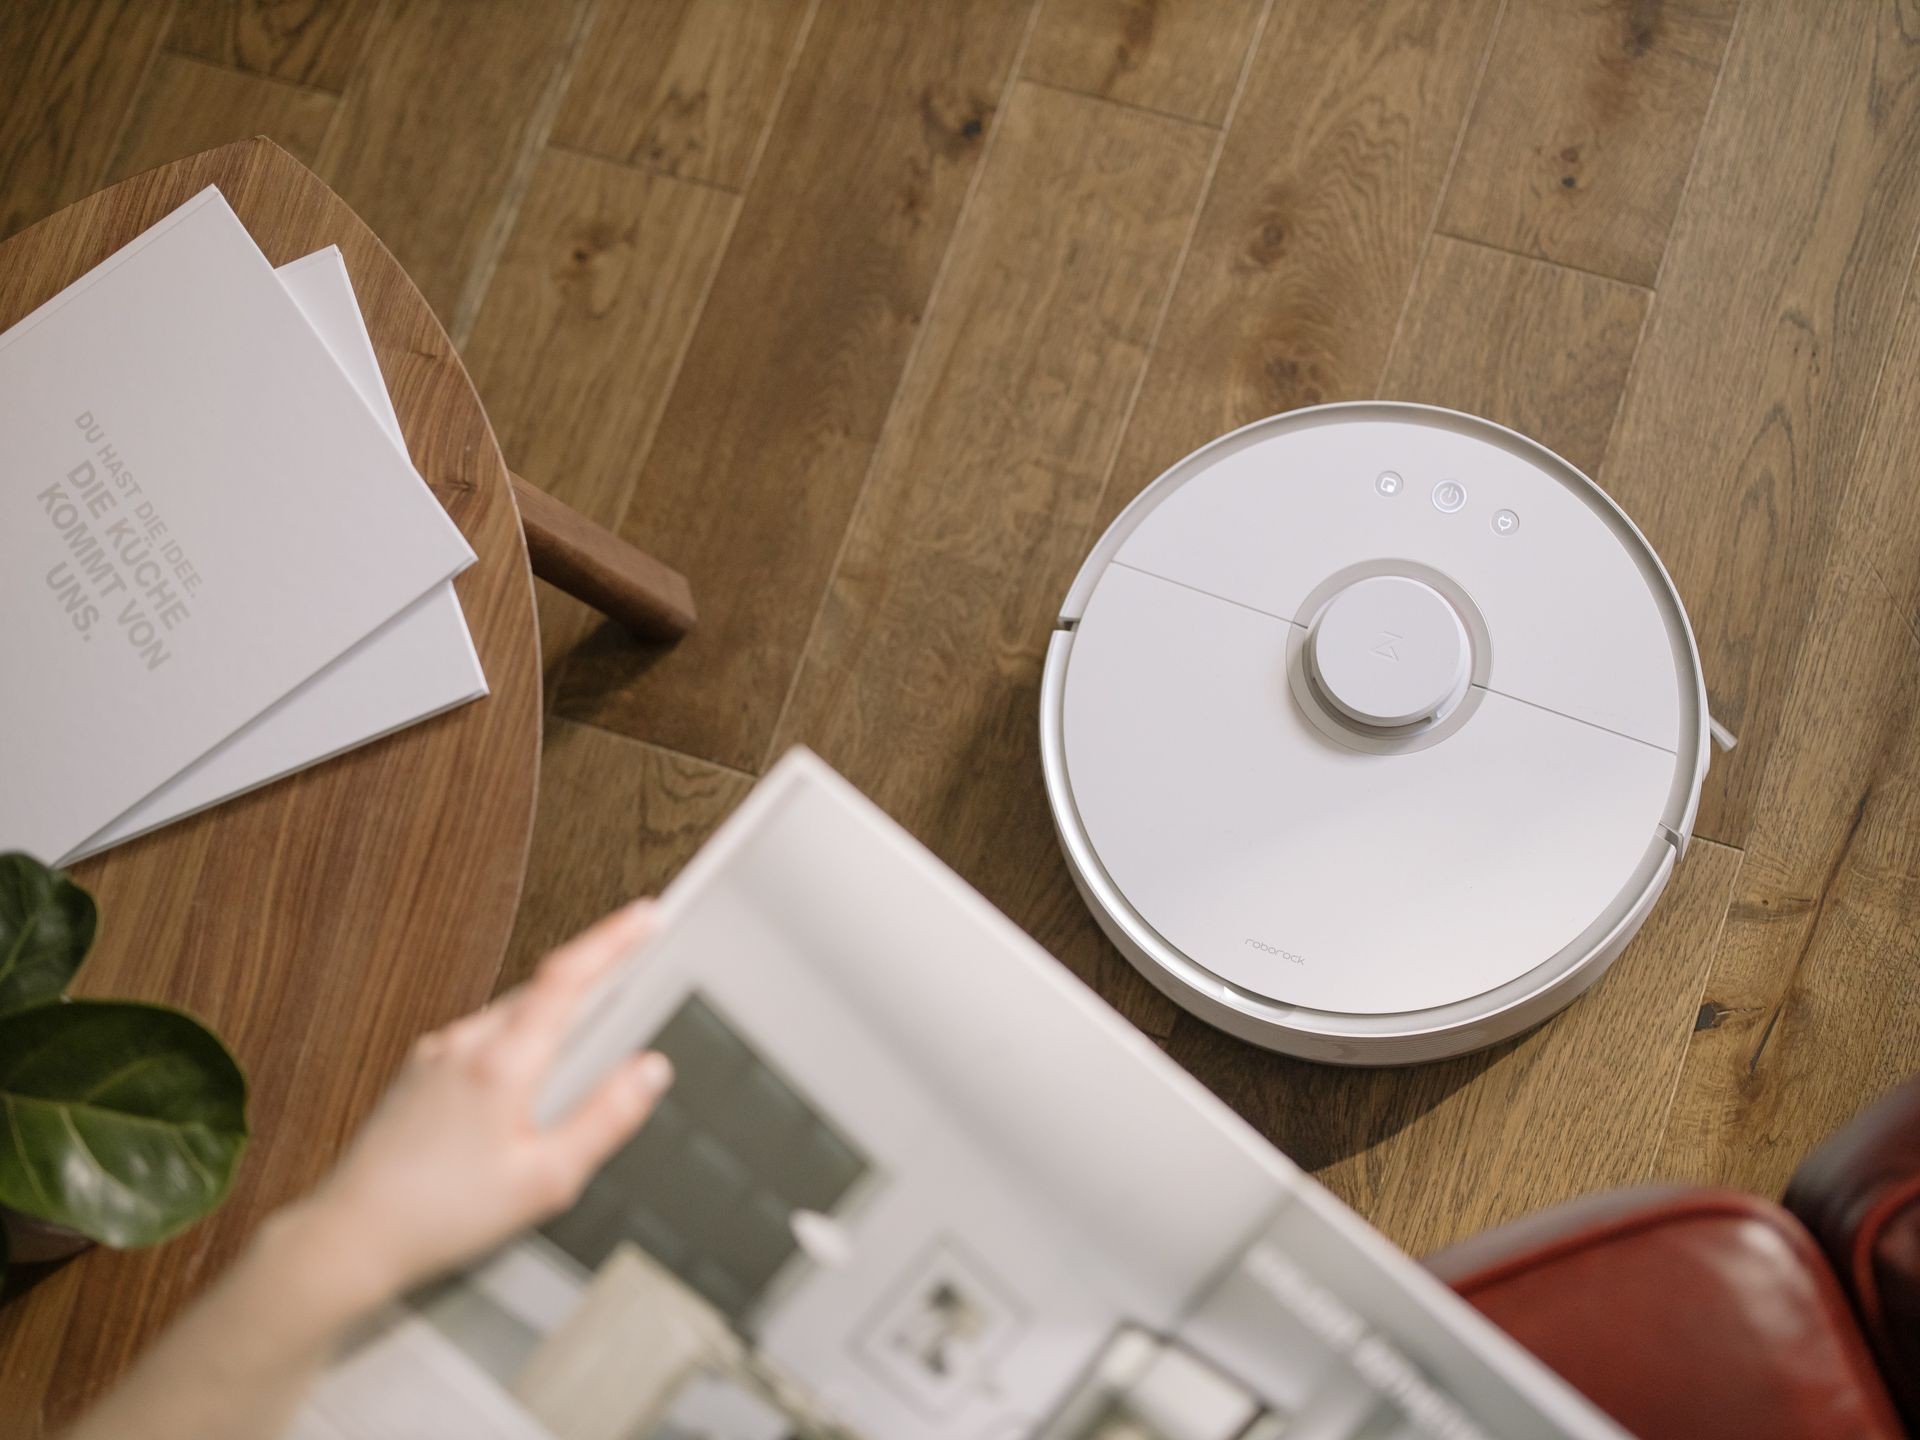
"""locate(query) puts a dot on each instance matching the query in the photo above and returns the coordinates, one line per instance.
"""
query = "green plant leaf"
(46, 929)
(122, 1121)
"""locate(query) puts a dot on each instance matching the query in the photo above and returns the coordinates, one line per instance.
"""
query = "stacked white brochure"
(217, 563)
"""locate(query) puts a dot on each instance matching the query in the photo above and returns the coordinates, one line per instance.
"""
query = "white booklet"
(422, 662)
(197, 514)
(915, 1182)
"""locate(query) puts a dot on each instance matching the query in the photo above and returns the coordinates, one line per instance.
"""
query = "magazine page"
(201, 514)
(417, 665)
(914, 1182)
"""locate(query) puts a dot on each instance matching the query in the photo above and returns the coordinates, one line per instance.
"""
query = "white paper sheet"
(177, 385)
(421, 663)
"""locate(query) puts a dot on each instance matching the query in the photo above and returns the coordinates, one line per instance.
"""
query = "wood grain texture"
(1311, 232)
(438, 131)
(685, 87)
(773, 423)
(730, 410)
(1434, 1153)
(1811, 1008)
(1535, 346)
(1775, 311)
(321, 922)
(595, 566)
(29, 1357)
(1583, 133)
(1180, 57)
(618, 818)
(68, 73)
(186, 106)
(307, 42)
(922, 681)
(581, 333)
(1880, 521)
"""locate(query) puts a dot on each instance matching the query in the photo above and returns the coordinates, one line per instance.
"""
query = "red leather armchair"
(1687, 1312)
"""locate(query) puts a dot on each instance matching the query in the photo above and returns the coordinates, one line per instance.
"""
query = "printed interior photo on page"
(910, 1185)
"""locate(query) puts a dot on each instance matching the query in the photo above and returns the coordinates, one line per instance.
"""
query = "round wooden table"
(322, 922)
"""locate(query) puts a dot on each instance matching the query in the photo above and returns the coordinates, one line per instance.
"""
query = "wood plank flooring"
(1584, 130)
(868, 314)
(684, 87)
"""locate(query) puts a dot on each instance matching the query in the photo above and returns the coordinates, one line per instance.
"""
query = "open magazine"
(915, 1182)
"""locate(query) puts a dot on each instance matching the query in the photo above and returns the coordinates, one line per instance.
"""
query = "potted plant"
(120, 1123)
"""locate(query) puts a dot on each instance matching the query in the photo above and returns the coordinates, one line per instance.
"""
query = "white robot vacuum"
(1373, 732)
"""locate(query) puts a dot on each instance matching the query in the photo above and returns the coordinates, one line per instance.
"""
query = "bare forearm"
(448, 1166)
(238, 1363)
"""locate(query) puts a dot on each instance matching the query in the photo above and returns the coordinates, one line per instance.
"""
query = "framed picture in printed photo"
(938, 1333)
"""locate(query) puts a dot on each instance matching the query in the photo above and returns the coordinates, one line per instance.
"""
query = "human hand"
(451, 1164)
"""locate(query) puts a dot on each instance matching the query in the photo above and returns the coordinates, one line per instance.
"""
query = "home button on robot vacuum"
(1388, 652)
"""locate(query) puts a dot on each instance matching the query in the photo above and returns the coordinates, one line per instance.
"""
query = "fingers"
(541, 1008)
(540, 1017)
(461, 1036)
(474, 1031)
(604, 941)
(608, 1118)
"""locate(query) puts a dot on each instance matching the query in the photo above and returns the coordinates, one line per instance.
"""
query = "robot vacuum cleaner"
(1372, 732)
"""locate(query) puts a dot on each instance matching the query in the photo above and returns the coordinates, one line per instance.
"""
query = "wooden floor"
(868, 314)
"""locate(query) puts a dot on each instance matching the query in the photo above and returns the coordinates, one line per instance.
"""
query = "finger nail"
(654, 1073)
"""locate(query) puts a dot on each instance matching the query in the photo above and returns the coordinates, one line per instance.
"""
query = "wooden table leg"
(594, 565)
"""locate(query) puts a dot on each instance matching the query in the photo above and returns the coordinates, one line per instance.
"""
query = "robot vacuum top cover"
(1372, 731)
